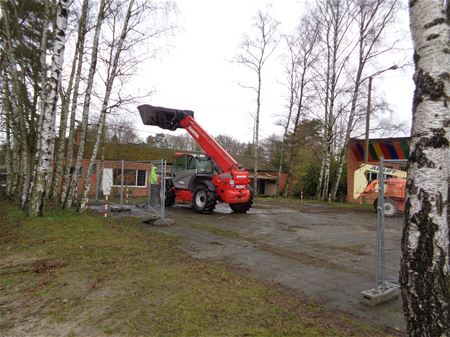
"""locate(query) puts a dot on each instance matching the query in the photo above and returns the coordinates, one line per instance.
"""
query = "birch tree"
(424, 275)
(8, 155)
(307, 35)
(17, 111)
(48, 121)
(113, 65)
(372, 18)
(336, 18)
(74, 101)
(73, 84)
(254, 52)
(72, 189)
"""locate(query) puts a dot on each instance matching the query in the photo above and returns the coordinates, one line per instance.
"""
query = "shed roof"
(145, 152)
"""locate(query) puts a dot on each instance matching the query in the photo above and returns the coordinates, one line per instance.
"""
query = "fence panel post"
(122, 181)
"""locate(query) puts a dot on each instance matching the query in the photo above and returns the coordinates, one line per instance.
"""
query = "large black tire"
(243, 208)
(170, 198)
(390, 207)
(204, 200)
(170, 193)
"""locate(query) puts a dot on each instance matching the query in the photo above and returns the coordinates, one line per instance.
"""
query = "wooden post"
(106, 206)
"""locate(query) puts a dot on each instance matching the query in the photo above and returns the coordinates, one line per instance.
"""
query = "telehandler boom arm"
(172, 119)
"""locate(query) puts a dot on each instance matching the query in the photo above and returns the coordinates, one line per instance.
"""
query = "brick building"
(137, 167)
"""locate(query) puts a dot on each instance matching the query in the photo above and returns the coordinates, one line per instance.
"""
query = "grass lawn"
(69, 274)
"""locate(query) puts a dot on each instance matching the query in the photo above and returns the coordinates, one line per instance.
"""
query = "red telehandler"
(201, 179)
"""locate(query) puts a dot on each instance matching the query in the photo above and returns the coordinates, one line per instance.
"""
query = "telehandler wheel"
(390, 207)
(204, 200)
(170, 198)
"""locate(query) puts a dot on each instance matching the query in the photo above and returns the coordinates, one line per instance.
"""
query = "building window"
(371, 176)
(132, 178)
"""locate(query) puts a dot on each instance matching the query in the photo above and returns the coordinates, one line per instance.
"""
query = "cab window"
(204, 166)
(180, 163)
(190, 163)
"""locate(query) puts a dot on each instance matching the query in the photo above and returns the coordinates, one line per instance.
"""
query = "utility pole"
(369, 103)
(369, 108)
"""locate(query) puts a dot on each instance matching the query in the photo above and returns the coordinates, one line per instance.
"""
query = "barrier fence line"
(126, 182)
(390, 215)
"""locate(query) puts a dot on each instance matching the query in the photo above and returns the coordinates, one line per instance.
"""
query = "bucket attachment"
(165, 118)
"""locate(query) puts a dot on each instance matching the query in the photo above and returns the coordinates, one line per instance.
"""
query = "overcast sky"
(196, 72)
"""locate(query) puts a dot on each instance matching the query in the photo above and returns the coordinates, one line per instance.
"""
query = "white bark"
(8, 155)
(79, 51)
(109, 85)
(18, 111)
(74, 76)
(424, 276)
(43, 59)
(46, 138)
(86, 106)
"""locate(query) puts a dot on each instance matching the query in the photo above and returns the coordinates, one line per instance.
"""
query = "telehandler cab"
(202, 180)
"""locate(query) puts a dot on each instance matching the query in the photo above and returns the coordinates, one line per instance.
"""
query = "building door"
(261, 187)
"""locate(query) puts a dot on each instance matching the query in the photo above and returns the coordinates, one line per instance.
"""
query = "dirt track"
(324, 254)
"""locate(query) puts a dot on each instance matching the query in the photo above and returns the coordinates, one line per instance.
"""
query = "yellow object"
(153, 176)
(360, 181)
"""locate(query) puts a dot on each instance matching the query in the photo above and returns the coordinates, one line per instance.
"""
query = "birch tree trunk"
(424, 275)
(65, 101)
(79, 51)
(109, 85)
(42, 93)
(86, 105)
(43, 59)
(8, 155)
(46, 138)
(256, 149)
(18, 111)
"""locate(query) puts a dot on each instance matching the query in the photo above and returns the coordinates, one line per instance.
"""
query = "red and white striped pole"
(106, 206)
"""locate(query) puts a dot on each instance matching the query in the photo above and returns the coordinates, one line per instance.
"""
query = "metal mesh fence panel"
(390, 217)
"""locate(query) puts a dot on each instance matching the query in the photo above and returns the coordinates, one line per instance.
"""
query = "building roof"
(389, 148)
(144, 152)
(131, 152)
